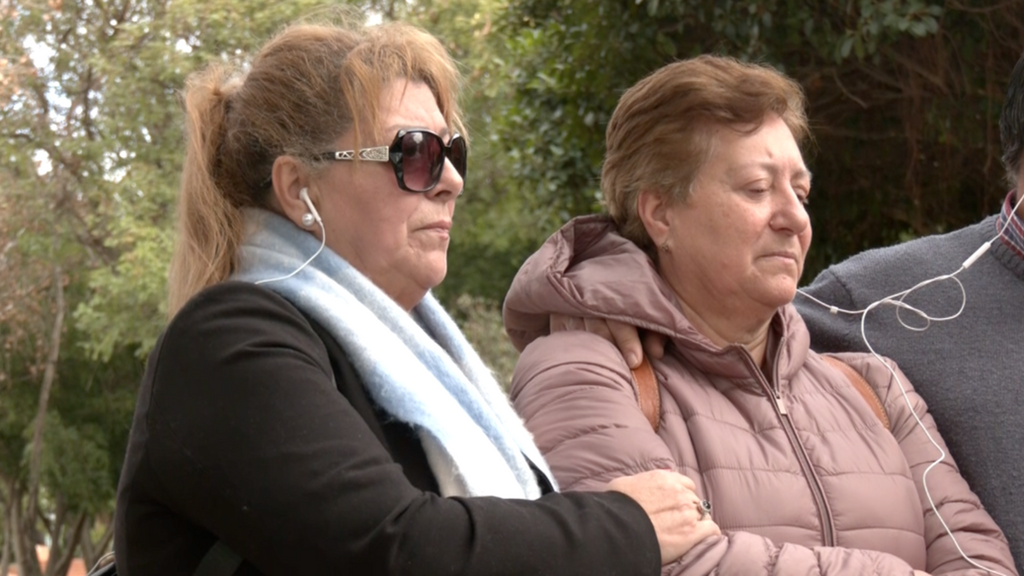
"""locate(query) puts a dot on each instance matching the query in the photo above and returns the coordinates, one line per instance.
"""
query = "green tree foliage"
(90, 155)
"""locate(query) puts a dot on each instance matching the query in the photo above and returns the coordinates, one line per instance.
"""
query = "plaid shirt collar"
(1014, 235)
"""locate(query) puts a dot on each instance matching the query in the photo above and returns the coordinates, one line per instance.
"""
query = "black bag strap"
(219, 561)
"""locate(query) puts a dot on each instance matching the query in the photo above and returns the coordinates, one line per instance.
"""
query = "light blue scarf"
(417, 366)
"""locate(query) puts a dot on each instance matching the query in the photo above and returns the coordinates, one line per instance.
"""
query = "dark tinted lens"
(421, 160)
(457, 155)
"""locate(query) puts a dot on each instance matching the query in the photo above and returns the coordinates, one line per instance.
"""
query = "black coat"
(240, 434)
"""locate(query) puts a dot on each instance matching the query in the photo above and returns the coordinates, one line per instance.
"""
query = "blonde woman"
(311, 409)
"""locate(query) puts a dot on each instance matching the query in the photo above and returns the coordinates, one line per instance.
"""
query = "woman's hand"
(921, 573)
(625, 336)
(673, 506)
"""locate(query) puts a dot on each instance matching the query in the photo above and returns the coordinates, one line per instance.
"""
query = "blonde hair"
(306, 87)
(660, 133)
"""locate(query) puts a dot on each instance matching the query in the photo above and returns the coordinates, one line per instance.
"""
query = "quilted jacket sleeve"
(575, 393)
(973, 528)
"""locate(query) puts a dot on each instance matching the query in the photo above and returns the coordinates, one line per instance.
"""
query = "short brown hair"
(659, 135)
(306, 87)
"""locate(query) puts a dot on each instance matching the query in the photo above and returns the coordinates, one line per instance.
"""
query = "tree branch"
(916, 68)
(93, 551)
(35, 458)
(17, 136)
(24, 545)
(5, 555)
(104, 542)
(65, 550)
(843, 89)
(992, 8)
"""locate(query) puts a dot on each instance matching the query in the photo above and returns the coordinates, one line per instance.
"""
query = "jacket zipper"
(827, 531)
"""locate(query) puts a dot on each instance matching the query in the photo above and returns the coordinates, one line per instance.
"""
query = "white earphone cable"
(323, 242)
(897, 300)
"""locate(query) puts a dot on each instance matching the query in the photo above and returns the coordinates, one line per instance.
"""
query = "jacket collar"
(587, 269)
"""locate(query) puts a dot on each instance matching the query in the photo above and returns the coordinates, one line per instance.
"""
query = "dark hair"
(1011, 123)
(658, 136)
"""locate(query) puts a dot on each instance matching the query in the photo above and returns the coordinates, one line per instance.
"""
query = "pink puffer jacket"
(803, 477)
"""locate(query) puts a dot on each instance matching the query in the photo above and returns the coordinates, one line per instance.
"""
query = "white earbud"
(304, 195)
(307, 221)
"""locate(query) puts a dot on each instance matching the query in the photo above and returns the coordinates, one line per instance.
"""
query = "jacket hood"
(586, 269)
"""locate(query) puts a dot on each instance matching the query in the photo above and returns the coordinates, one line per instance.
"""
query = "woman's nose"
(450, 184)
(790, 212)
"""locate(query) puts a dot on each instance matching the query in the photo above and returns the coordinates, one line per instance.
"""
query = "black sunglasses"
(416, 155)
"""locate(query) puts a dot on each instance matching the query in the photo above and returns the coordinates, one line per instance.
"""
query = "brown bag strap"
(649, 396)
(647, 393)
(861, 385)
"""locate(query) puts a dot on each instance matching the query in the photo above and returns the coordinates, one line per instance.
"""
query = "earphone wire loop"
(897, 300)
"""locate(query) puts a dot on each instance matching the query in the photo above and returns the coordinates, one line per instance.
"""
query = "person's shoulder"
(232, 303)
(881, 372)
(232, 314)
(942, 251)
(572, 347)
(568, 358)
(230, 297)
(229, 338)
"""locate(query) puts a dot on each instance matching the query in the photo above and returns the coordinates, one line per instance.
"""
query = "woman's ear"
(290, 178)
(652, 208)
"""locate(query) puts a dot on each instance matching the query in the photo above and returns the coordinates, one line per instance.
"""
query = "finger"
(686, 483)
(654, 344)
(707, 528)
(679, 538)
(627, 338)
(703, 508)
(597, 326)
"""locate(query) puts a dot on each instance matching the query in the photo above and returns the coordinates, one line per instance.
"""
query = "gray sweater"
(970, 370)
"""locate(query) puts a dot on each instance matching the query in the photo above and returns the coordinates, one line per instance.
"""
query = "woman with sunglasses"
(310, 408)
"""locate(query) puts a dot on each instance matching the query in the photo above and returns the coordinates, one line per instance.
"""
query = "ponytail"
(209, 223)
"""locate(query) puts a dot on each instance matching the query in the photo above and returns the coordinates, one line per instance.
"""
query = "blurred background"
(904, 101)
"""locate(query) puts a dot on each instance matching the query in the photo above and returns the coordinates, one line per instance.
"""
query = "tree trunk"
(22, 542)
(29, 563)
(86, 545)
(93, 551)
(5, 556)
(61, 553)
(49, 374)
